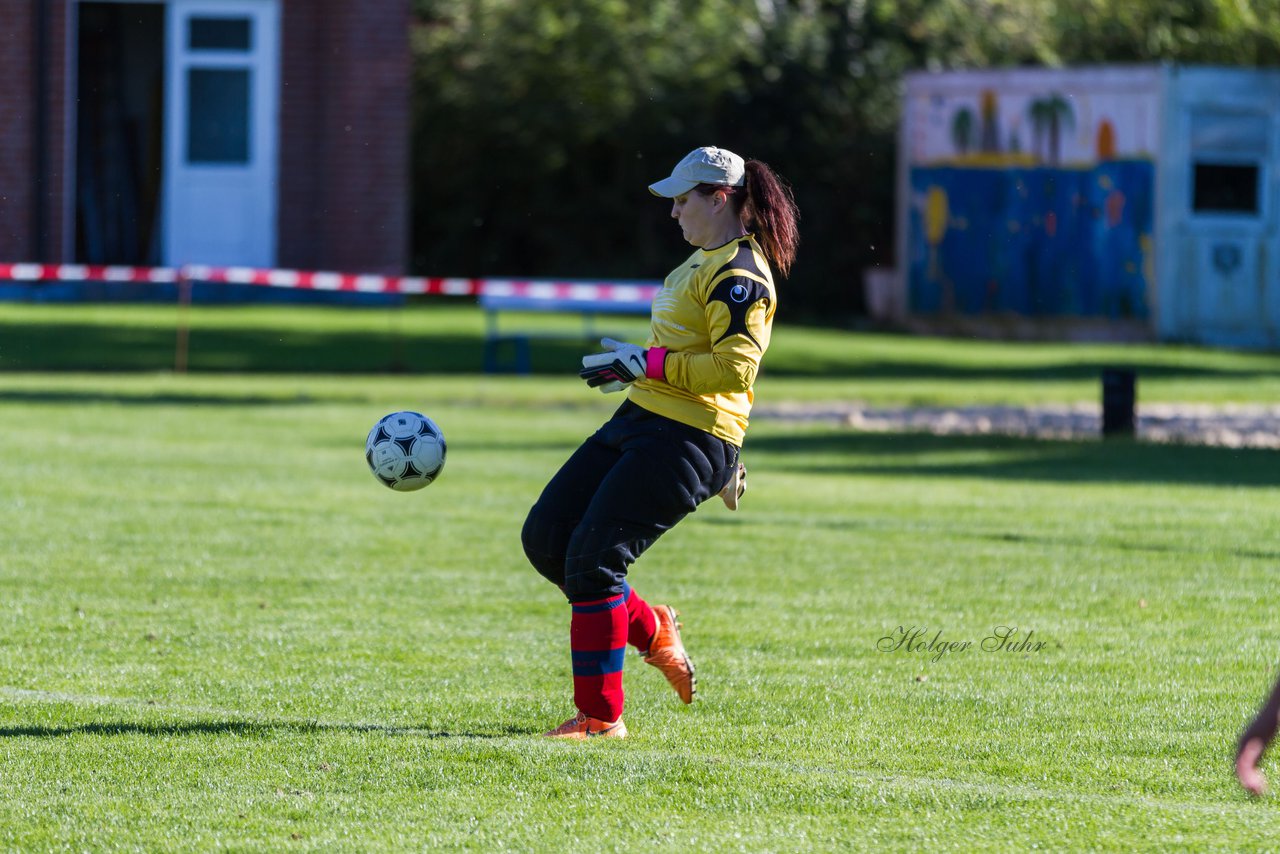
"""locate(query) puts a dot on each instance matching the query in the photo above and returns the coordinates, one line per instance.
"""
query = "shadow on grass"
(1125, 545)
(1013, 458)
(89, 346)
(101, 348)
(58, 397)
(846, 524)
(242, 728)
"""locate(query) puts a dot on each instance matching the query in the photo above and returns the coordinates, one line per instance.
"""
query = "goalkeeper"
(674, 442)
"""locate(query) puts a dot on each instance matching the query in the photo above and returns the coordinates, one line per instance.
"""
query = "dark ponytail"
(768, 209)
(772, 214)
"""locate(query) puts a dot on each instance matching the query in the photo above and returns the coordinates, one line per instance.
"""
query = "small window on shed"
(220, 34)
(1226, 188)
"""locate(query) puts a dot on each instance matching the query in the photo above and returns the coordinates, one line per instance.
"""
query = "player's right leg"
(563, 503)
(599, 620)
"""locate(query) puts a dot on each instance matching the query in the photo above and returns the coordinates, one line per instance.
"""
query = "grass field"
(812, 364)
(220, 631)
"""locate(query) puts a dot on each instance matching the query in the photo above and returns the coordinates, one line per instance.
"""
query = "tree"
(1049, 116)
(1232, 32)
(538, 123)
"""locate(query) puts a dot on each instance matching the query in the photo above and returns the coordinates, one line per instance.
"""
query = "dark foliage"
(539, 123)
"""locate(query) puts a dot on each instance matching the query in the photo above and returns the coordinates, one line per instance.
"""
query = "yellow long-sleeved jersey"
(714, 315)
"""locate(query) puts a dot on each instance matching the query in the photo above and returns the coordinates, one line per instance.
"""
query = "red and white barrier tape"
(323, 281)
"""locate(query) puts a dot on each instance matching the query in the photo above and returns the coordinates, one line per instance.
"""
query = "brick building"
(244, 132)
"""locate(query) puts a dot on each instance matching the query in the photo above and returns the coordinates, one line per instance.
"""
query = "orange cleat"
(584, 727)
(735, 488)
(667, 654)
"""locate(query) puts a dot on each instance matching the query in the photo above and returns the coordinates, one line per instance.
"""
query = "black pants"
(635, 478)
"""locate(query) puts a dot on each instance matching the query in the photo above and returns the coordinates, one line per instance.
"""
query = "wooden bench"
(512, 351)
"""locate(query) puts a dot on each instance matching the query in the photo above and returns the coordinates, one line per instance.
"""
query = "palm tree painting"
(1049, 117)
(962, 130)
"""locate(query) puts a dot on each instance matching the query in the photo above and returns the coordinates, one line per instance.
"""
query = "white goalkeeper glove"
(621, 364)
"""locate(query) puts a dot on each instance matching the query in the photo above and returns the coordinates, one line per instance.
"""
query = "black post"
(1119, 396)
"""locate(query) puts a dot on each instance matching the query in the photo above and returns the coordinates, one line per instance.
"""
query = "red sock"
(641, 623)
(598, 641)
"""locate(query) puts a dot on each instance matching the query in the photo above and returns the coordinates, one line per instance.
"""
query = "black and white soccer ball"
(405, 450)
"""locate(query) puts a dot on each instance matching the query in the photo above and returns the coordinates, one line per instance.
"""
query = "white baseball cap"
(707, 165)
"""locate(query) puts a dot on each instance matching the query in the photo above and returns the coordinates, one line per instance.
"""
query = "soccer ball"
(405, 450)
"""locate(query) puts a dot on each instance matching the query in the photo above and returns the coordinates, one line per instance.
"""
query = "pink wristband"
(655, 363)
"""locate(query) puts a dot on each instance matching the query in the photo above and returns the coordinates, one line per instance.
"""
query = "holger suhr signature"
(918, 639)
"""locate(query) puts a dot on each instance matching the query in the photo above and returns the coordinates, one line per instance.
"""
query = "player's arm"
(1254, 741)
(740, 319)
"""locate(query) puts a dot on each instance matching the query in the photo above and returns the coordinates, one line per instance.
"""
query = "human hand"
(613, 370)
(1247, 760)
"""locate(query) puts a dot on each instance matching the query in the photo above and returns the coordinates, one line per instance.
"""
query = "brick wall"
(344, 135)
(59, 205)
(20, 240)
(16, 117)
(344, 157)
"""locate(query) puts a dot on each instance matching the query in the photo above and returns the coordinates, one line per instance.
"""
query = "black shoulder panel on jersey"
(739, 293)
(744, 260)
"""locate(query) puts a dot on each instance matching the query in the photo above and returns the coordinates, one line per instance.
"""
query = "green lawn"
(445, 337)
(220, 631)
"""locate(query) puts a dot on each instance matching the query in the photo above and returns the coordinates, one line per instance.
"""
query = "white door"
(1231, 223)
(1229, 233)
(221, 132)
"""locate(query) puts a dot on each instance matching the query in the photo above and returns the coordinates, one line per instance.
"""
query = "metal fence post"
(1119, 396)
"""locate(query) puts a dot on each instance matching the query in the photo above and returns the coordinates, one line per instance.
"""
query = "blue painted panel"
(1032, 240)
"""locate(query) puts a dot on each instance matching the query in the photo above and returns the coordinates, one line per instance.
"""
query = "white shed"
(1138, 193)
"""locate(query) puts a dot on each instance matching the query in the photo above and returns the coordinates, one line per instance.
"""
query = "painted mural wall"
(1032, 196)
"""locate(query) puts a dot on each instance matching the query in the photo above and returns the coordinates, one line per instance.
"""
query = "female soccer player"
(675, 441)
